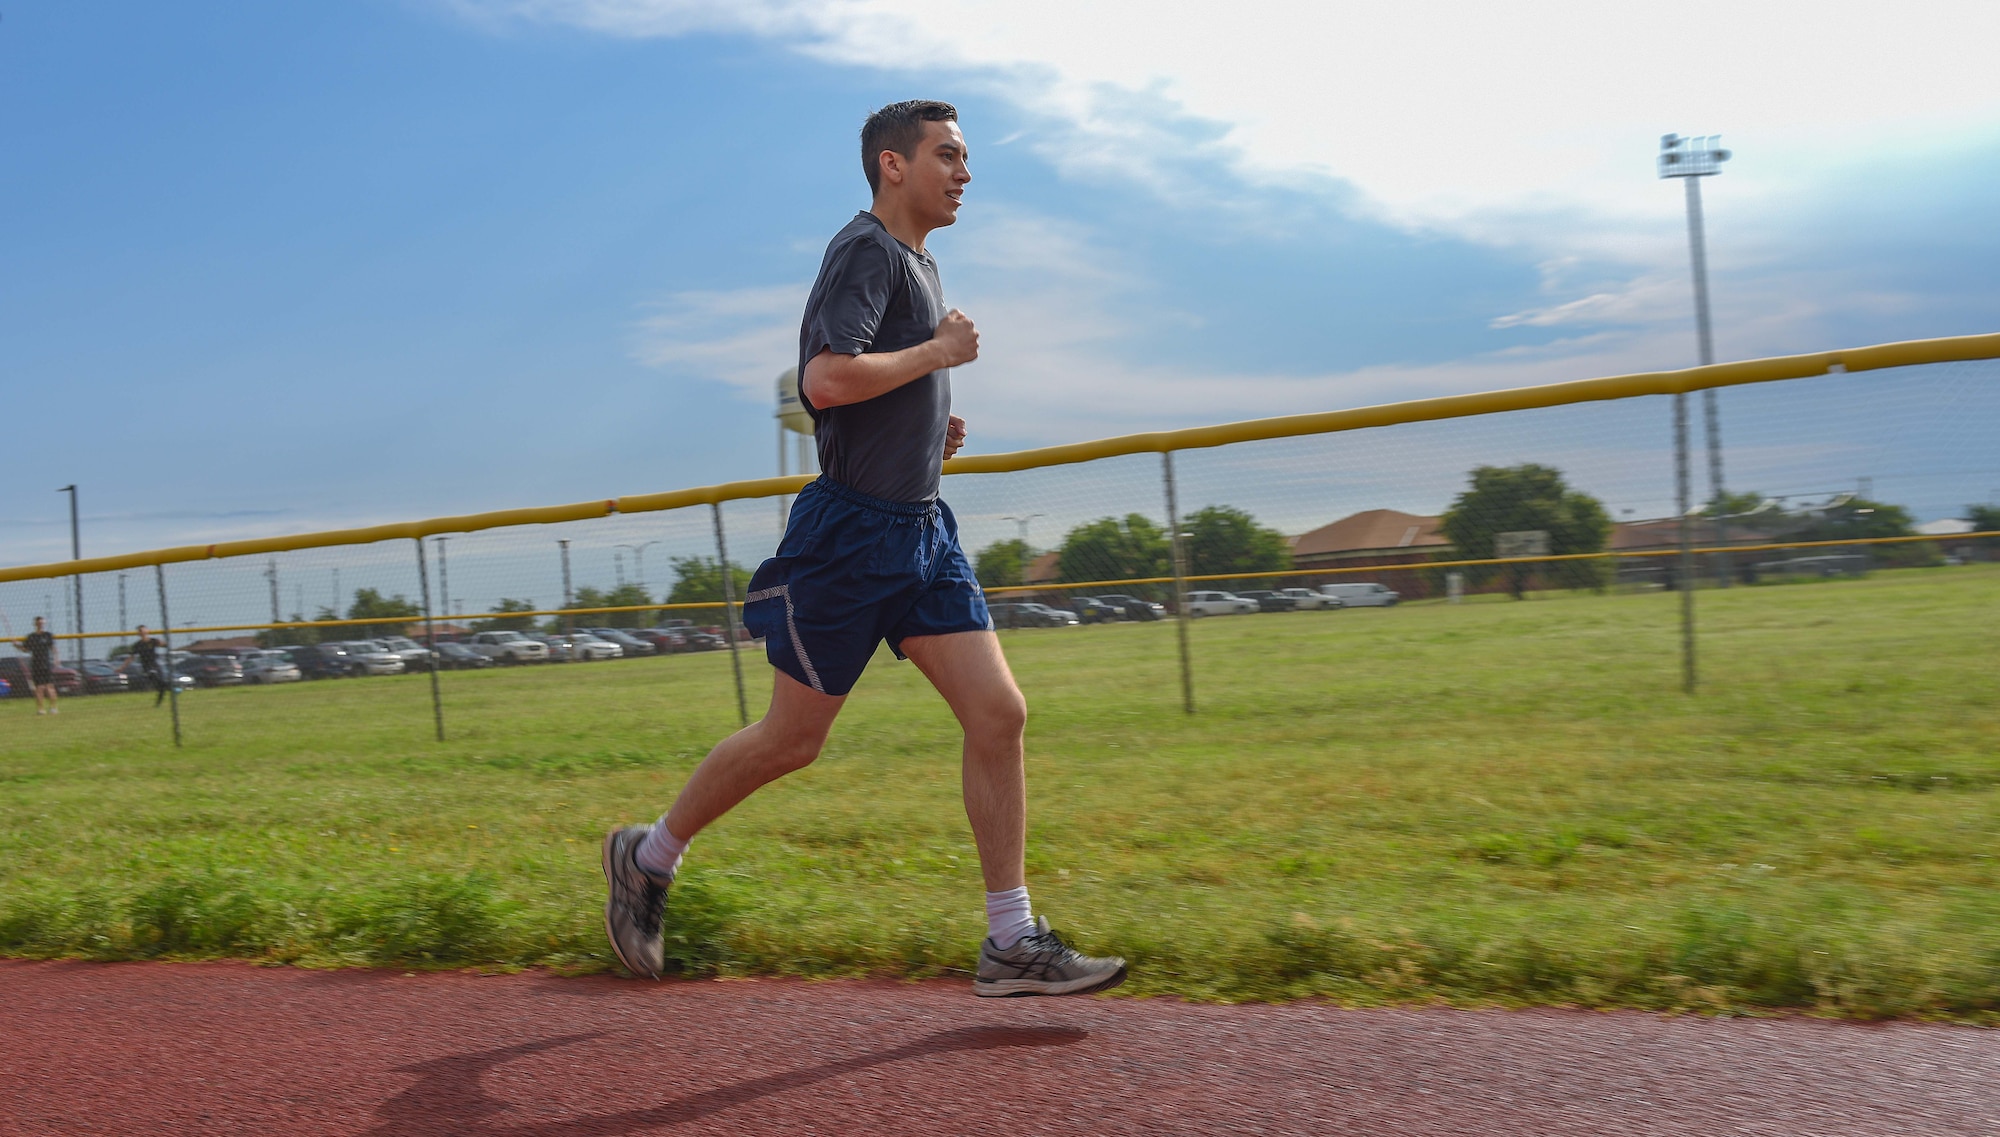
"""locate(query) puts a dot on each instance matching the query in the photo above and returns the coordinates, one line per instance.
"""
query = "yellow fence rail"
(1904, 354)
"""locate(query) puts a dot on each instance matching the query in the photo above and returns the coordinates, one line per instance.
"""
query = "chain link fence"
(1837, 467)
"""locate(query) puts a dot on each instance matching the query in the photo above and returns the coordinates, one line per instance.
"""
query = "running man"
(871, 554)
(148, 651)
(40, 647)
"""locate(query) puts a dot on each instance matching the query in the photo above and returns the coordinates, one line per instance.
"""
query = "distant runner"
(871, 554)
(148, 651)
(40, 647)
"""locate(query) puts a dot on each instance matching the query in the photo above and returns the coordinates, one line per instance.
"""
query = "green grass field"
(1496, 802)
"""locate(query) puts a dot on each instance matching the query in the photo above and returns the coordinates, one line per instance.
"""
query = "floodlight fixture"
(1695, 157)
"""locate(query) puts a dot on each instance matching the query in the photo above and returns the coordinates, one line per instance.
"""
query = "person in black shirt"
(41, 649)
(148, 651)
(871, 555)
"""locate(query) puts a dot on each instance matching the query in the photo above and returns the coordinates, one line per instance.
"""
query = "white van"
(1361, 595)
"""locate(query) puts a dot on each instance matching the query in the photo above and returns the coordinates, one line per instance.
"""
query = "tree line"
(1223, 540)
(697, 580)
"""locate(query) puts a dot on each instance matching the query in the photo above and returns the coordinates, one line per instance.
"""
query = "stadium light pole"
(639, 559)
(444, 576)
(76, 554)
(569, 622)
(1692, 159)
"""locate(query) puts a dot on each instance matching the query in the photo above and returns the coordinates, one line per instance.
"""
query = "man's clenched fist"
(954, 436)
(957, 337)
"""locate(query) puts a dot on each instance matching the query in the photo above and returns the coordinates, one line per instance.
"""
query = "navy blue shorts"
(853, 571)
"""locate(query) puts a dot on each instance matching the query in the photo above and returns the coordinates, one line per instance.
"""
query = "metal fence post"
(729, 613)
(1685, 578)
(1179, 557)
(167, 642)
(430, 638)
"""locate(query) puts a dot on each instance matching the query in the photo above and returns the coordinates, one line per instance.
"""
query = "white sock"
(1008, 916)
(660, 853)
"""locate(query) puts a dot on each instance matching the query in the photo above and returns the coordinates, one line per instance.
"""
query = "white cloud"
(1489, 119)
(743, 337)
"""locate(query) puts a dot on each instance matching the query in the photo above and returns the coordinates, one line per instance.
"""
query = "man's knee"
(789, 748)
(1003, 714)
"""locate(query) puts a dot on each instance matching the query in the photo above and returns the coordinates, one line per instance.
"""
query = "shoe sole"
(604, 862)
(1017, 988)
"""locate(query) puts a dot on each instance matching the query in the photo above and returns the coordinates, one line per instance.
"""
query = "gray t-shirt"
(875, 293)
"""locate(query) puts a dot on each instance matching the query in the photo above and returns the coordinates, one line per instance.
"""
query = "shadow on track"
(450, 1100)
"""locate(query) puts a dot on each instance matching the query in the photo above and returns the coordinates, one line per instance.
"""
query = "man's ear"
(889, 165)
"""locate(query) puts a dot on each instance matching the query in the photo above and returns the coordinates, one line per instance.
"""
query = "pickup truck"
(509, 647)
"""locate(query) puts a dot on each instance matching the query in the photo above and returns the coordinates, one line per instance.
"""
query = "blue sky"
(271, 267)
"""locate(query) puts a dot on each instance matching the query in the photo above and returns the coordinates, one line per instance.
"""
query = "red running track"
(227, 1048)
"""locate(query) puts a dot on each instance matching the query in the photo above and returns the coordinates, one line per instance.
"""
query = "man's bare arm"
(836, 380)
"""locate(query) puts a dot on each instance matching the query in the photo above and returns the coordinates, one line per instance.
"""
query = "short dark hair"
(898, 127)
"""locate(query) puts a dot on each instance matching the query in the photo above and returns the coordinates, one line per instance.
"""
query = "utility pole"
(569, 599)
(1692, 159)
(76, 554)
(122, 625)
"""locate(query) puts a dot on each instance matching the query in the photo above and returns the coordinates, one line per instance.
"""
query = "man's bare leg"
(640, 860)
(1021, 956)
(970, 671)
(787, 738)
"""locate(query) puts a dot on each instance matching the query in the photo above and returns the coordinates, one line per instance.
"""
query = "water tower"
(793, 419)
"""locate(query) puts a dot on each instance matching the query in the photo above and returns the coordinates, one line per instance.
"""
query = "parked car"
(1362, 595)
(14, 669)
(458, 657)
(100, 677)
(509, 647)
(1213, 603)
(415, 656)
(1307, 599)
(632, 644)
(211, 670)
(265, 667)
(665, 641)
(322, 661)
(1018, 614)
(558, 645)
(1135, 608)
(1091, 610)
(701, 639)
(585, 647)
(1269, 601)
(365, 657)
(1057, 617)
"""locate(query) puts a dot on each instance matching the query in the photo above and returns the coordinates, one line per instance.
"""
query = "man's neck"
(899, 223)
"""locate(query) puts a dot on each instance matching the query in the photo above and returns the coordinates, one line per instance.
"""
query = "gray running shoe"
(636, 902)
(1042, 964)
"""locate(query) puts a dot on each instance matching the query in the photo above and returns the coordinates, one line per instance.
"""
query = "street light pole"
(1692, 159)
(76, 554)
